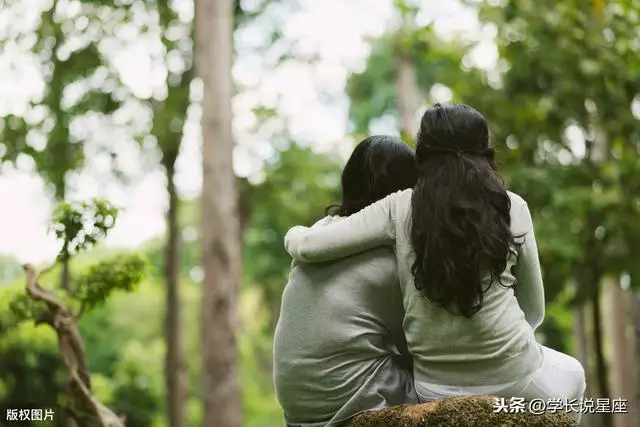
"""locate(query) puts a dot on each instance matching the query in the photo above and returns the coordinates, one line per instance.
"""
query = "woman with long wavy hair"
(468, 268)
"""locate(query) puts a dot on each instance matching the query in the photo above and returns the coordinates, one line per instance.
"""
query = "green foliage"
(129, 317)
(43, 130)
(261, 409)
(132, 358)
(558, 61)
(373, 91)
(122, 333)
(567, 82)
(561, 65)
(405, 8)
(81, 225)
(97, 284)
(123, 337)
(572, 65)
(296, 174)
(31, 371)
(23, 307)
(136, 387)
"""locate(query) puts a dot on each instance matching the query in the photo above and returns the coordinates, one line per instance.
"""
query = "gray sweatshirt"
(337, 341)
(496, 346)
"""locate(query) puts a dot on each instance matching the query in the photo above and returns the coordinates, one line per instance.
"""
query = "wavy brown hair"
(460, 221)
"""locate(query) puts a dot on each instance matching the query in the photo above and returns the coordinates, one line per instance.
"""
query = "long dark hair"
(460, 222)
(379, 165)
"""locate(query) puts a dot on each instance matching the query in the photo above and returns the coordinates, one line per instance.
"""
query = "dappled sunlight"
(102, 102)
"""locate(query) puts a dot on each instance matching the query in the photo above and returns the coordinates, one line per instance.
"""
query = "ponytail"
(460, 220)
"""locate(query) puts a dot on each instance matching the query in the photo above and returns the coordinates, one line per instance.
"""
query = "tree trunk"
(580, 331)
(622, 374)
(65, 279)
(82, 408)
(636, 358)
(220, 228)
(582, 352)
(175, 376)
(406, 79)
(599, 154)
(601, 363)
(407, 102)
(65, 274)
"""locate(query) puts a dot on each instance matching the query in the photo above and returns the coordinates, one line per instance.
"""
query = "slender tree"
(622, 385)
(406, 71)
(636, 321)
(220, 222)
(169, 117)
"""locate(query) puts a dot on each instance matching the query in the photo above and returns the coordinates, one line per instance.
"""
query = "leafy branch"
(80, 226)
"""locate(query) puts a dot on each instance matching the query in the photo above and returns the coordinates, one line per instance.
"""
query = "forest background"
(100, 100)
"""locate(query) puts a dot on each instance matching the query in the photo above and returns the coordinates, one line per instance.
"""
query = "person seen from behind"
(468, 266)
(339, 346)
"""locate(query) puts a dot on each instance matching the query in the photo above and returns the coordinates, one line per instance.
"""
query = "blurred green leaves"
(96, 285)
(23, 307)
(373, 91)
(80, 225)
(563, 104)
(298, 186)
(67, 59)
(565, 79)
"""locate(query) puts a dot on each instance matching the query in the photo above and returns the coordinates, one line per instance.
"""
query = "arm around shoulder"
(372, 227)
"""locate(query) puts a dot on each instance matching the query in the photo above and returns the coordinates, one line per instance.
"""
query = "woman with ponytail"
(468, 268)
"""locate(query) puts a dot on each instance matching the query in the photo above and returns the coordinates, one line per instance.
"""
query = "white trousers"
(560, 377)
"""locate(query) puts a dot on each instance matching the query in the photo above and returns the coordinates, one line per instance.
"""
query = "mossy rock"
(467, 411)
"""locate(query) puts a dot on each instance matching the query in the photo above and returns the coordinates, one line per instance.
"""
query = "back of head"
(460, 222)
(378, 166)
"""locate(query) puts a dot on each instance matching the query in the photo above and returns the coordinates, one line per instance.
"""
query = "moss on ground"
(468, 411)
